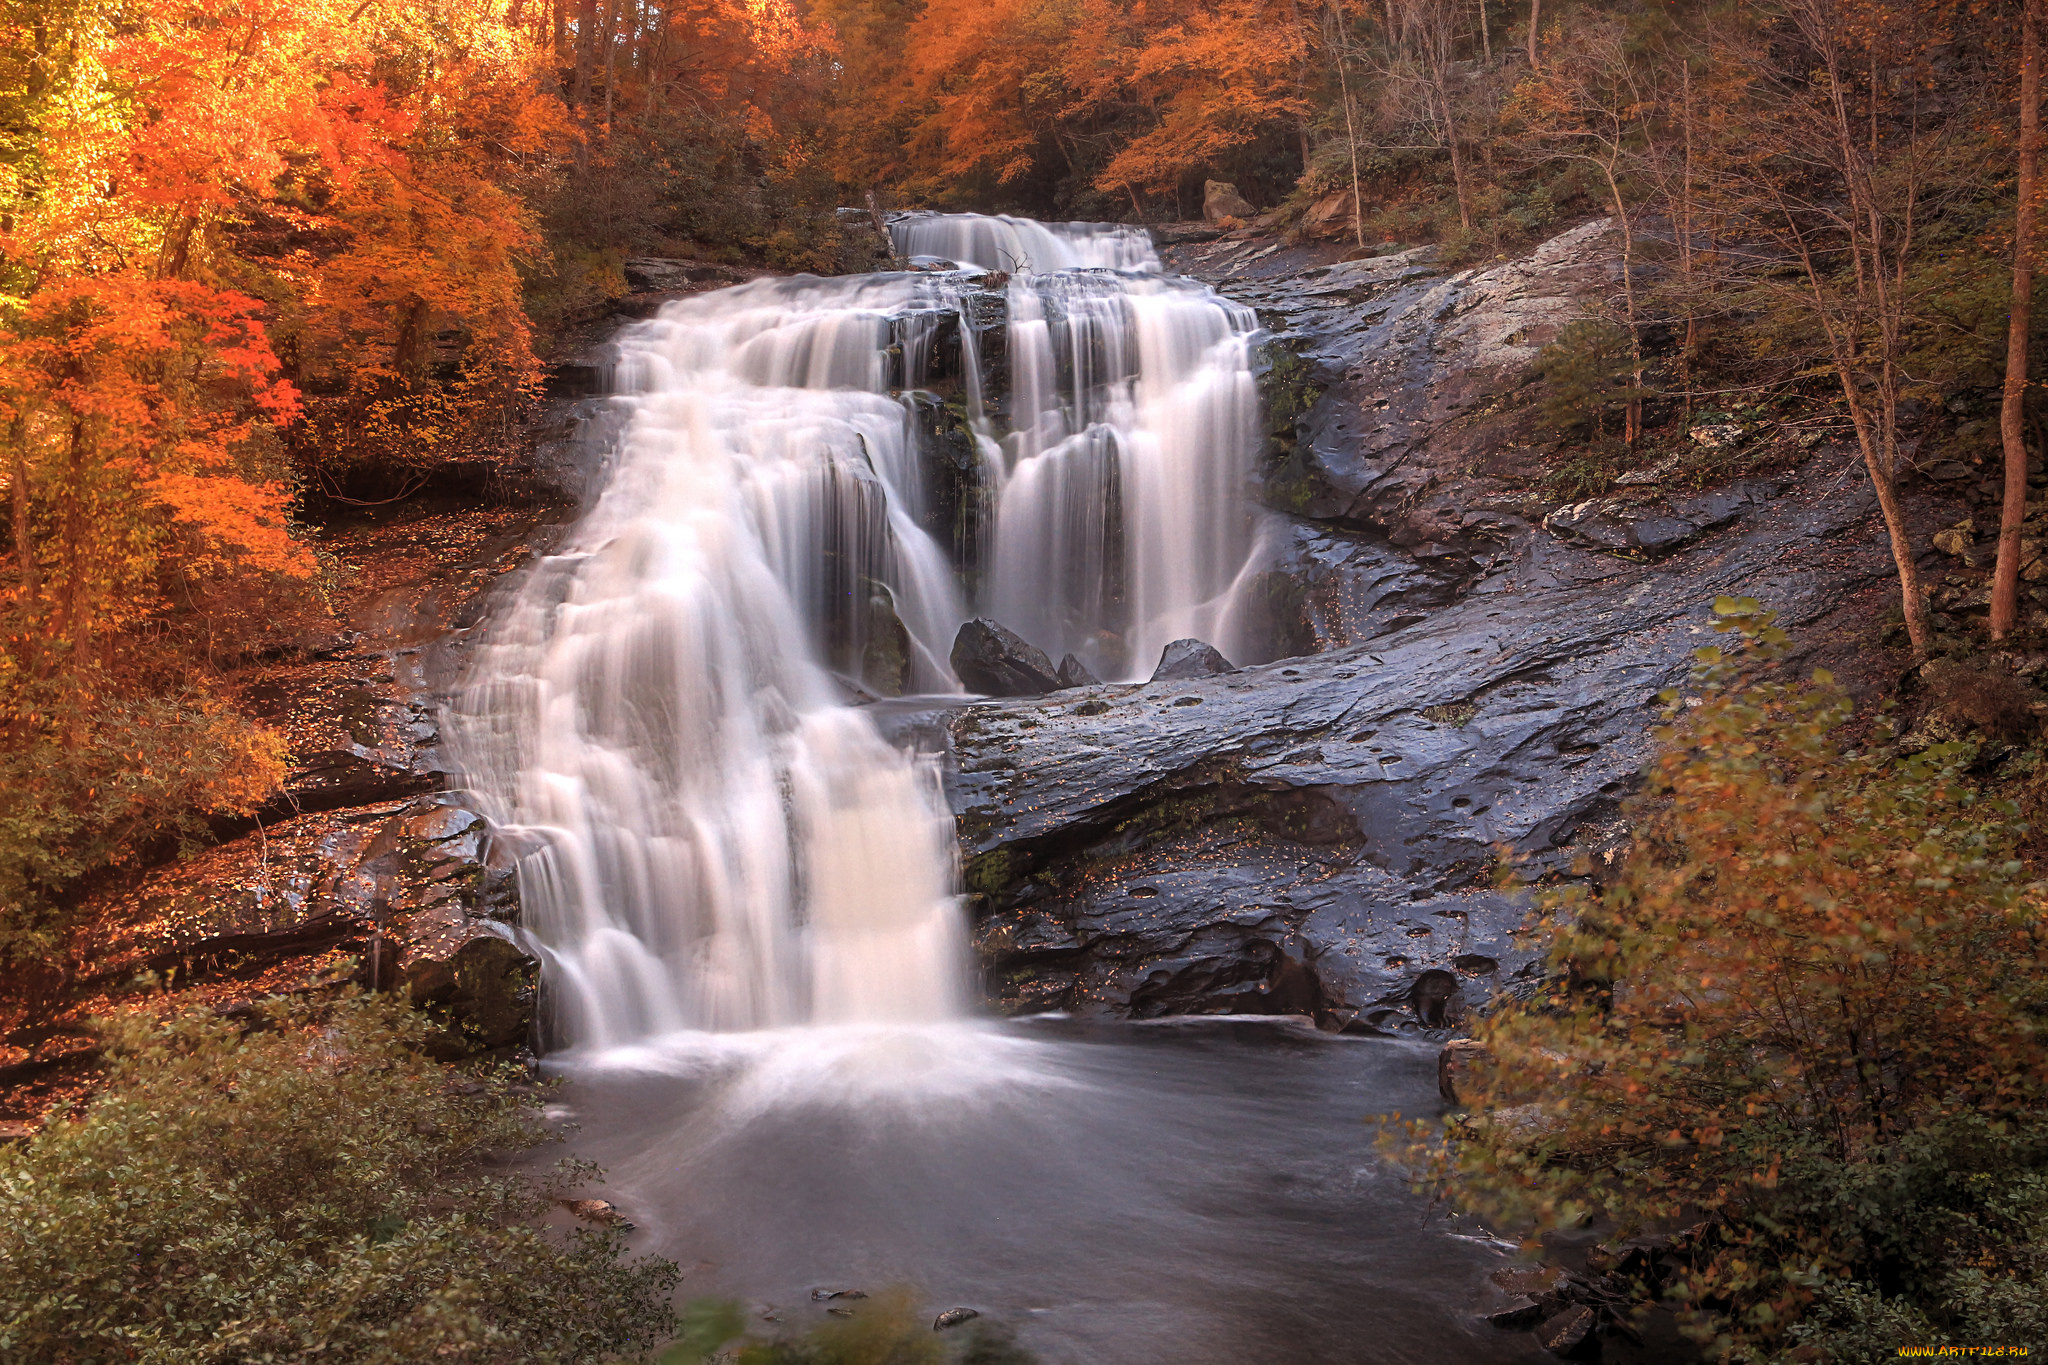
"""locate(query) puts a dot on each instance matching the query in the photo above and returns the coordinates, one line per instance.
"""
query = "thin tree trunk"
(657, 49)
(586, 40)
(1535, 20)
(1485, 37)
(1350, 133)
(1685, 242)
(1632, 423)
(2005, 588)
(611, 61)
(1443, 96)
(24, 549)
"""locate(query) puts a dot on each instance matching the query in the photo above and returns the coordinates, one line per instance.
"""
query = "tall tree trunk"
(2005, 584)
(1685, 243)
(1350, 128)
(24, 548)
(1485, 36)
(586, 44)
(611, 61)
(1443, 95)
(1535, 21)
(1632, 423)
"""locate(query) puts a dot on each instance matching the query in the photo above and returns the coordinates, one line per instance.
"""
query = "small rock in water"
(953, 1317)
(598, 1211)
(1517, 1314)
(998, 662)
(1564, 1332)
(821, 1295)
(1190, 659)
(838, 1312)
(1074, 673)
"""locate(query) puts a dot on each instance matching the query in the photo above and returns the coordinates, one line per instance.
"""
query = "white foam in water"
(861, 1068)
(725, 843)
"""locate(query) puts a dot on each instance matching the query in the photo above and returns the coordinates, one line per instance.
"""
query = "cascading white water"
(812, 475)
(726, 844)
(1126, 437)
(1123, 521)
(1021, 246)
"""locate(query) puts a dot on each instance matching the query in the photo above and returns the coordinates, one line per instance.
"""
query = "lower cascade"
(818, 481)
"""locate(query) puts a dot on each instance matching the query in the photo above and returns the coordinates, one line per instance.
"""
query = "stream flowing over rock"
(709, 753)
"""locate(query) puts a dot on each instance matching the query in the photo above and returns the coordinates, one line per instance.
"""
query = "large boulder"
(1185, 659)
(1221, 200)
(996, 661)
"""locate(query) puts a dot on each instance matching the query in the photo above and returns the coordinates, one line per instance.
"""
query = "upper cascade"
(818, 481)
(1020, 246)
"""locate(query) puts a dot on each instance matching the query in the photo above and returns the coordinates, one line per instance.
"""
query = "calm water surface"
(1201, 1193)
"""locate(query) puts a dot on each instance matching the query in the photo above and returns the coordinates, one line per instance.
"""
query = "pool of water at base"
(1196, 1192)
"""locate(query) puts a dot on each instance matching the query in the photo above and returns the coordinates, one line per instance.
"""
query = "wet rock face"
(1142, 848)
(1317, 834)
(418, 890)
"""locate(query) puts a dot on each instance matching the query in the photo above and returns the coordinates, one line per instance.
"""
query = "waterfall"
(1021, 246)
(817, 482)
(1122, 522)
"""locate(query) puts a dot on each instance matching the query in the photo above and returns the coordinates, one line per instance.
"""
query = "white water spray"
(819, 480)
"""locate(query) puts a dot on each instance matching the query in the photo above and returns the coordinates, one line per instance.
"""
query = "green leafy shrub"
(1809, 1020)
(317, 1190)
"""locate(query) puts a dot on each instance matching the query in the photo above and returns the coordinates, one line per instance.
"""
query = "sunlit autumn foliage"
(228, 228)
(1124, 97)
(1808, 1021)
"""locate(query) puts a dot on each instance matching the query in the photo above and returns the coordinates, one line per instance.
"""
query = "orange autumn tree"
(411, 341)
(1121, 98)
(198, 198)
(1213, 78)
